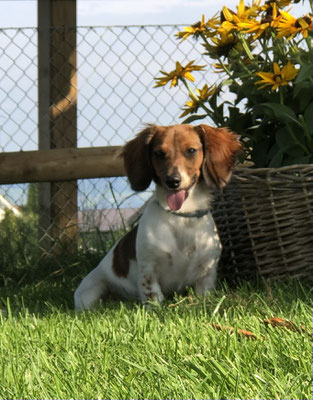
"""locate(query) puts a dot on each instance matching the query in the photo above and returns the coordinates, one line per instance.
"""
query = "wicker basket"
(264, 217)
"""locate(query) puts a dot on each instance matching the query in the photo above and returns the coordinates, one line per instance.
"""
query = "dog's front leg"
(149, 287)
(207, 282)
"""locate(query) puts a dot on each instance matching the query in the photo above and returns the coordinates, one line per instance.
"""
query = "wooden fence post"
(57, 85)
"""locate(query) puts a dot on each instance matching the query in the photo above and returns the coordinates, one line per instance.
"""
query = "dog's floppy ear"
(220, 149)
(137, 159)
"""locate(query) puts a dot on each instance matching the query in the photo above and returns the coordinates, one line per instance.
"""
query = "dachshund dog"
(175, 244)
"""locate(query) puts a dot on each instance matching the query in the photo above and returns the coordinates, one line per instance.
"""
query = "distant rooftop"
(106, 220)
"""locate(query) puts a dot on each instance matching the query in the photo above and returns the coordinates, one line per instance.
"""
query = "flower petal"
(276, 69)
(188, 76)
(227, 14)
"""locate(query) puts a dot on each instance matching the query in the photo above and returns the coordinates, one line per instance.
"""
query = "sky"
(23, 13)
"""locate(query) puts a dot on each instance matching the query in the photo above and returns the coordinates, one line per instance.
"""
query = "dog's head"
(177, 156)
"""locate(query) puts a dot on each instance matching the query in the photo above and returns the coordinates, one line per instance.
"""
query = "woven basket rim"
(286, 168)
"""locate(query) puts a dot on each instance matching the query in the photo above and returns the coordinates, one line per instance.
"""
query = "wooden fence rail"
(60, 164)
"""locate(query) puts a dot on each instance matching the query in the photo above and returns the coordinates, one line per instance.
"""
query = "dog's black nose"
(173, 181)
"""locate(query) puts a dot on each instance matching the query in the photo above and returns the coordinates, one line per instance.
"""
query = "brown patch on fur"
(124, 252)
(148, 281)
(137, 164)
(220, 146)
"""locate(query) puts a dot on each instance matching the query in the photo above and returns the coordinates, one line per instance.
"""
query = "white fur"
(173, 252)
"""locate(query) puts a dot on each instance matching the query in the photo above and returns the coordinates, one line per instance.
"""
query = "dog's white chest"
(180, 251)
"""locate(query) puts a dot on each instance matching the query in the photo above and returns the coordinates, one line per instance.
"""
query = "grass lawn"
(123, 351)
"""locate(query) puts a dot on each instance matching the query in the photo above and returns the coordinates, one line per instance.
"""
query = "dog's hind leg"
(92, 288)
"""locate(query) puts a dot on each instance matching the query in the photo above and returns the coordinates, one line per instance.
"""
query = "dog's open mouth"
(175, 199)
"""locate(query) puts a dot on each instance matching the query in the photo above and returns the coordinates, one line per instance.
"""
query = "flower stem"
(194, 97)
(265, 50)
(245, 46)
(245, 67)
(228, 72)
(192, 94)
(226, 69)
(281, 96)
(203, 37)
(306, 131)
(278, 44)
(309, 43)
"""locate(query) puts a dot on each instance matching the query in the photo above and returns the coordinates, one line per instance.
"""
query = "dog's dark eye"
(191, 152)
(159, 154)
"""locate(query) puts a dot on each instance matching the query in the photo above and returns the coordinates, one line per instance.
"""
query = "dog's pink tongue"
(175, 199)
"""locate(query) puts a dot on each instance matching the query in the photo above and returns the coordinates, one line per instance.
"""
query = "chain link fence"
(115, 79)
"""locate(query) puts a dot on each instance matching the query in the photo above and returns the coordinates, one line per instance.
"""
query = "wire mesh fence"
(116, 67)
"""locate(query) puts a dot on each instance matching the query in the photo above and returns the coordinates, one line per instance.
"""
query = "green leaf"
(277, 160)
(259, 152)
(234, 112)
(301, 97)
(228, 82)
(301, 87)
(194, 118)
(308, 117)
(289, 160)
(286, 142)
(281, 112)
(294, 151)
(304, 73)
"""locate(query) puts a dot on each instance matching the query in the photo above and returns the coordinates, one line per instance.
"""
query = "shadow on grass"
(51, 281)
(51, 285)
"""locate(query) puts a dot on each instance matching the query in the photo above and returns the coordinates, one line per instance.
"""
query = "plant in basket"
(263, 57)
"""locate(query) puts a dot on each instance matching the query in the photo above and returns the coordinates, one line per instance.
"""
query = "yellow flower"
(289, 26)
(213, 22)
(192, 105)
(259, 27)
(279, 77)
(195, 29)
(230, 19)
(255, 27)
(179, 72)
(206, 92)
(241, 15)
(199, 28)
(223, 45)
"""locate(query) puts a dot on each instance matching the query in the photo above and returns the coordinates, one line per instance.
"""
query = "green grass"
(123, 351)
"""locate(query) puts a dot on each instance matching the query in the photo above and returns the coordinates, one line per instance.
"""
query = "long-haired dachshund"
(176, 244)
